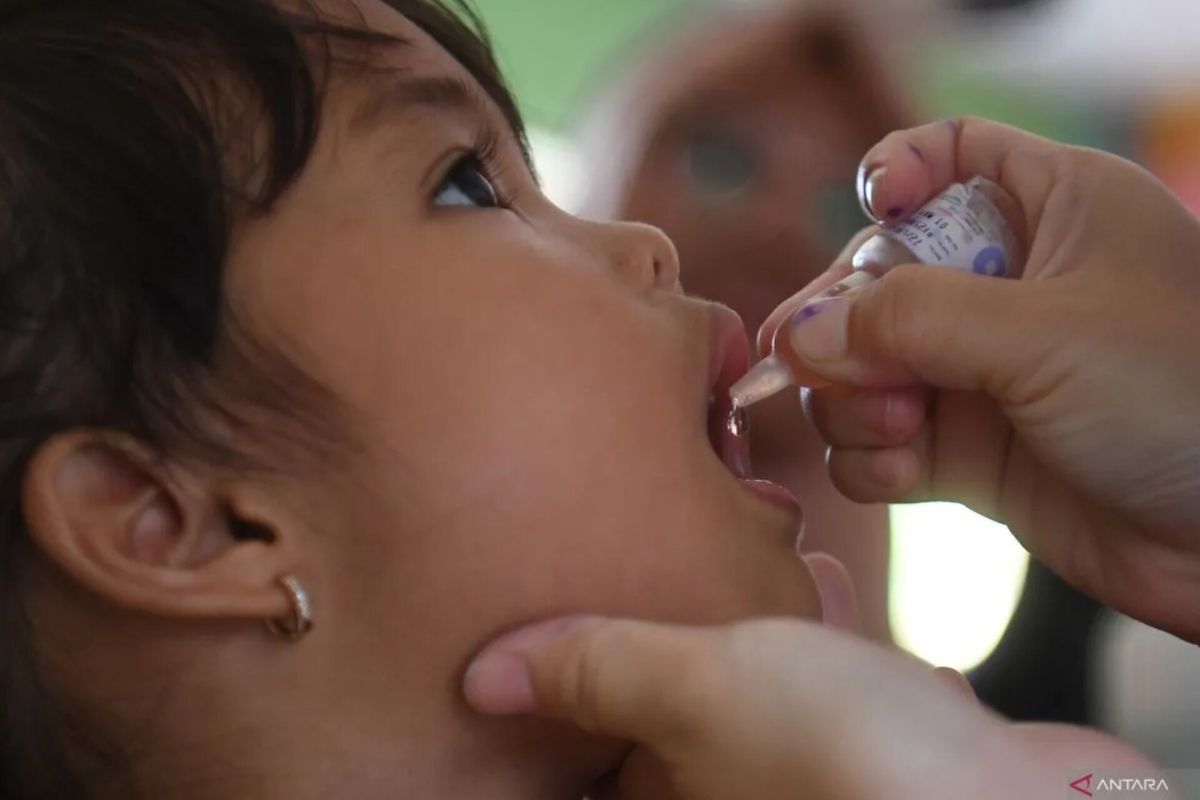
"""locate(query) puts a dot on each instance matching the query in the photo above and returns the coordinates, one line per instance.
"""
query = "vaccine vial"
(972, 227)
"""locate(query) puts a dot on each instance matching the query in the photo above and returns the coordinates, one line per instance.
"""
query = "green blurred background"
(556, 52)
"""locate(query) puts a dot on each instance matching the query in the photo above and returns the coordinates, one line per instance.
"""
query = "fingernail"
(801, 529)
(498, 681)
(818, 331)
(869, 179)
(839, 606)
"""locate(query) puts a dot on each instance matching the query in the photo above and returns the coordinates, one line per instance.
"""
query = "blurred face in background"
(747, 132)
(750, 170)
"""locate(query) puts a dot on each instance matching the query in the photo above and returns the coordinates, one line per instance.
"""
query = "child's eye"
(467, 185)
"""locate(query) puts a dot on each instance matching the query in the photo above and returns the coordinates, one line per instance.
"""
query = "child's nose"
(643, 256)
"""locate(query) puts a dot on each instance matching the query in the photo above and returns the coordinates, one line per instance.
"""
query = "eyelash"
(484, 155)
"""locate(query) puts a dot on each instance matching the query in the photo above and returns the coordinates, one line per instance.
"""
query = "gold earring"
(299, 620)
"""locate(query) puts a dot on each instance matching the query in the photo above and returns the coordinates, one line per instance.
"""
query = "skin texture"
(523, 399)
(798, 90)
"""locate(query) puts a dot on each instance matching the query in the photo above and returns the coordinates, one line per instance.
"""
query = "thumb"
(616, 678)
(920, 324)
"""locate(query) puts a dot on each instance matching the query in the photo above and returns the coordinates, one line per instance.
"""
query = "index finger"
(907, 168)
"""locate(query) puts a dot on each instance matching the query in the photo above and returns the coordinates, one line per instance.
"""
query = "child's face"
(527, 393)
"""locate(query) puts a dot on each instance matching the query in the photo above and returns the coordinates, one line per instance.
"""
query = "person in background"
(738, 132)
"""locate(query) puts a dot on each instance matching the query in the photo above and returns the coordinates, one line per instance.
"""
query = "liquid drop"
(738, 423)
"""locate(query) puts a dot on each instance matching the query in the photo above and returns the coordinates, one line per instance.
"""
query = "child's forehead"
(417, 69)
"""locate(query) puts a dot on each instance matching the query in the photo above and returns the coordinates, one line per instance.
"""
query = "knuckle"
(968, 122)
(610, 692)
(967, 130)
(584, 684)
(891, 305)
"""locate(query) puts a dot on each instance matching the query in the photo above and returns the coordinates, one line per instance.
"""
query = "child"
(290, 334)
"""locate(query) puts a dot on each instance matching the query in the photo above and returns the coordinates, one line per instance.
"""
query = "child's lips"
(730, 360)
(781, 497)
(729, 351)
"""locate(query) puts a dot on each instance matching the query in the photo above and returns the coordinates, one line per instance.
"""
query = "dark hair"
(118, 191)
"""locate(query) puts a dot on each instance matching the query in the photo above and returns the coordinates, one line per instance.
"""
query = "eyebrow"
(400, 99)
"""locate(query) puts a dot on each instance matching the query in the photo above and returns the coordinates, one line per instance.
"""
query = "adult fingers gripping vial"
(968, 227)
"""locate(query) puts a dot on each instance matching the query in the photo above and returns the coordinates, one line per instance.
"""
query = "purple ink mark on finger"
(916, 151)
(894, 212)
(811, 310)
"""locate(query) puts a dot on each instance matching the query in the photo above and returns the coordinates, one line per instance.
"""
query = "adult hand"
(776, 709)
(1065, 404)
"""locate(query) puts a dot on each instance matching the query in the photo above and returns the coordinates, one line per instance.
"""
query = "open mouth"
(730, 360)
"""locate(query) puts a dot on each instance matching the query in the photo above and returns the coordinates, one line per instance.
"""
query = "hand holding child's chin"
(770, 707)
(643, 776)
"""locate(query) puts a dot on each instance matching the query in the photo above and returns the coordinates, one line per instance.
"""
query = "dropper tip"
(768, 377)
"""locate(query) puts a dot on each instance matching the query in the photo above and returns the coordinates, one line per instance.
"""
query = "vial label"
(960, 228)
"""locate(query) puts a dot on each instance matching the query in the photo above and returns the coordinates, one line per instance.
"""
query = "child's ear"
(148, 534)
